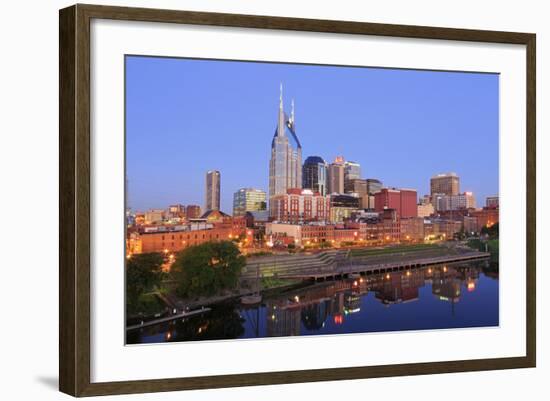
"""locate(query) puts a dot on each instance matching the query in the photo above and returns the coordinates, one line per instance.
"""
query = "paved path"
(393, 266)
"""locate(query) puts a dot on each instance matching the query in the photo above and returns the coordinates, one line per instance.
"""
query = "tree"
(143, 274)
(491, 231)
(221, 323)
(207, 268)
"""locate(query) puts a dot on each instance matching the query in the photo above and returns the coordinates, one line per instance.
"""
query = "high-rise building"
(373, 186)
(336, 173)
(357, 186)
(314, 175)
(285, 165)
(448, 184)
(444, 203)
(213, 190)
(491, 202)
(248, 200)
(404, 201)
(352, 171)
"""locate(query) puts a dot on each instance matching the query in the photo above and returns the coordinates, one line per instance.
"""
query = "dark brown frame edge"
(74, 199)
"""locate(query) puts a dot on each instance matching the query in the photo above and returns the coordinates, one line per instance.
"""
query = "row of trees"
(201, 270)
(491, 231)
(144, 275)
(208, 268)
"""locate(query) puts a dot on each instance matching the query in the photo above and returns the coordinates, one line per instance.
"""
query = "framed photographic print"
(250, 200)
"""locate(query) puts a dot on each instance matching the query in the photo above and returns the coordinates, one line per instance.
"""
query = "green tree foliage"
(143, 274)
(491, 231)
(208, 268)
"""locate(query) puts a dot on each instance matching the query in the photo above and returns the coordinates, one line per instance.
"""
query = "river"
(434, 297)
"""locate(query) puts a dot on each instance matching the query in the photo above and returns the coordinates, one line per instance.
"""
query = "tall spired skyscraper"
(285, 166)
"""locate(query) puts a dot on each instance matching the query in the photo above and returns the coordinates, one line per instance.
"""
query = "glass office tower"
(248, 200)
(314, 174)
(285, 166)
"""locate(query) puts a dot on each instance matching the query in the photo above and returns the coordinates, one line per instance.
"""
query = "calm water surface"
(437, 297)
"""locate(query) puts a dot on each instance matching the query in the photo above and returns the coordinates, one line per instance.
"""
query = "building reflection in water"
(311, 307)
(308, 310)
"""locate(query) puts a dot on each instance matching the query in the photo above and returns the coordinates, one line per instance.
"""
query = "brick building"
(299, 206)
(404, 201)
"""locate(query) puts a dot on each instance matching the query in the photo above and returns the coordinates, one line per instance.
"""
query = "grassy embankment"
(394, 250)
(492, 246)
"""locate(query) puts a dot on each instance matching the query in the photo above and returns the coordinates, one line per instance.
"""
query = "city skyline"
(179, 127)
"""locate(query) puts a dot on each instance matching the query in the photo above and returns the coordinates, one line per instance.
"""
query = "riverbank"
(334, 263)
(190, 304)
(491, 246)
(452, 295)
(270, 274)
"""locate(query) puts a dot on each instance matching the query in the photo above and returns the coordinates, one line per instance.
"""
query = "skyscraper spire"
(281, 117)
(292, 111)
(285, 164)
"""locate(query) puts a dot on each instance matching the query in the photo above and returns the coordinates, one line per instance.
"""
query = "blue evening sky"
(185, 117)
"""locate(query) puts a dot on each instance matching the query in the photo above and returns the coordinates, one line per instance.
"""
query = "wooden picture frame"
(74, 203)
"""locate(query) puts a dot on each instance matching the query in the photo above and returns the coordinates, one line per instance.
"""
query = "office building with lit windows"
(444, 203)
(314, 175)
(248, 200)
(447, 184)
(352, 171)
(336, 174)
(373, 186)
(299, 206)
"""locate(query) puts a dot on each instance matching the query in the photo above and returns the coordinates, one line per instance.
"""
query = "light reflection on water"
(435, 297)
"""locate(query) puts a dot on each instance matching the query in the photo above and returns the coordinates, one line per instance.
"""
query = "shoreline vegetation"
(215, 273)
(488, 242)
